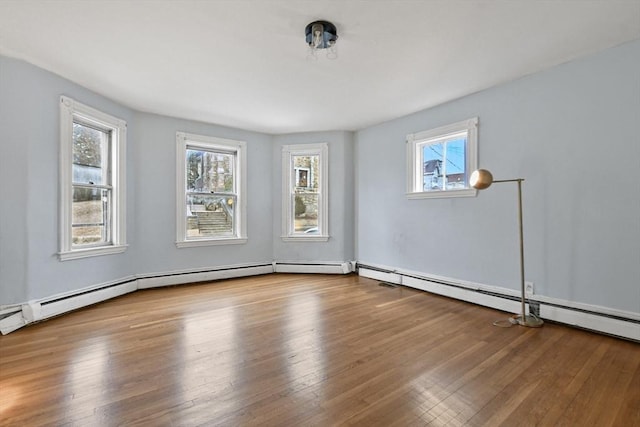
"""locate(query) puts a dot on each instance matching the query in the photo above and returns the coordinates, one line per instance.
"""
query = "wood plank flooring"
(310, 350)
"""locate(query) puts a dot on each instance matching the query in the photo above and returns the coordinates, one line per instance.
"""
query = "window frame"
(186, 140)
(415, 173)
(72, 111)
(289, 176)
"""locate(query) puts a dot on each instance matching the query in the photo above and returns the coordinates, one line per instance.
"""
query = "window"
(92, 181)
(211, 177)
(304, 192)
(441, 160)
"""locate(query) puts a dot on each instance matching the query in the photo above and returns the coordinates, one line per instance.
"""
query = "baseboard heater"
(37, 310)
(15, 317)
(34, 311)
(190, 276)
(317, 268)
(619, 324)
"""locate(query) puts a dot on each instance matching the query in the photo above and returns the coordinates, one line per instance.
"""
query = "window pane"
(210, 172)
(432, 158)
(210, 215)
(306, 173)
(305, 213)
(90, 216)
(305, 202)
(90, 155)
(443, 165)
(455, 166)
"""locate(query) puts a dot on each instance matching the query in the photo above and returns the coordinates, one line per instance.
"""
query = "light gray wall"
(572, 133)
(29, 135)
(29, 267)
(155, 213)
(29, 131)
(340, 246)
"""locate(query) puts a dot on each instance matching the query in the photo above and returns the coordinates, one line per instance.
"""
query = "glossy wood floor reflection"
(310, 350)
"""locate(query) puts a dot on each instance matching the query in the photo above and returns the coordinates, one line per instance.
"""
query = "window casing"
(92, 182)
(439, 161)
(305, 207)
(211, 187)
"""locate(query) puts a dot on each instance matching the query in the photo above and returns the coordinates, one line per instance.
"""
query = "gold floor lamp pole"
(481, 179)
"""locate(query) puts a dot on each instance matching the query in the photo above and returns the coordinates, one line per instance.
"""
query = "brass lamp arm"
(508, 180)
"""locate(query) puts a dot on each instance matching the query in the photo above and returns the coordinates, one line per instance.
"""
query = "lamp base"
(528, 320)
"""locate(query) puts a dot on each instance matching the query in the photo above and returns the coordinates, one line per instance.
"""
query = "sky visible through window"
(455, 154)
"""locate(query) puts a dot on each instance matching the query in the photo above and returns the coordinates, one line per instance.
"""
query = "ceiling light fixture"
(322, 35)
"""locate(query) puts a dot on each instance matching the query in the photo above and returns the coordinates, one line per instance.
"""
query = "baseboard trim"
(594, 318)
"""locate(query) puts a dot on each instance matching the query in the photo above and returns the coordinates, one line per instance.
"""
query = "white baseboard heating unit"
(618, 323)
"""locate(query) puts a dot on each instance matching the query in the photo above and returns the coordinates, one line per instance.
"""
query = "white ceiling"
(244, 63)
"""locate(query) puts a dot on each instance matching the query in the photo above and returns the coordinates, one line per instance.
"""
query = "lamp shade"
(481, 179)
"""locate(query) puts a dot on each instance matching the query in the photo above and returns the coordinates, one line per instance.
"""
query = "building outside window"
(211, 188)
(439, 161)
(305, 186)
(92, 181)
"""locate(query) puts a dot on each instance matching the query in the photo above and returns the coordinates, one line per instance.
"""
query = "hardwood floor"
(310, 350)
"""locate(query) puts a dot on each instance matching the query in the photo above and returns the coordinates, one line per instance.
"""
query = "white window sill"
(305, 238)
(212, 242)
(469, 192)
(91, 252)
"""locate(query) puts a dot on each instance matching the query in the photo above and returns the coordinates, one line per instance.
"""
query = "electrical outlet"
(528, 288)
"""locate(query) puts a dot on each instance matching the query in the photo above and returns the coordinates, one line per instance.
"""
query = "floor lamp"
(481, 179)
